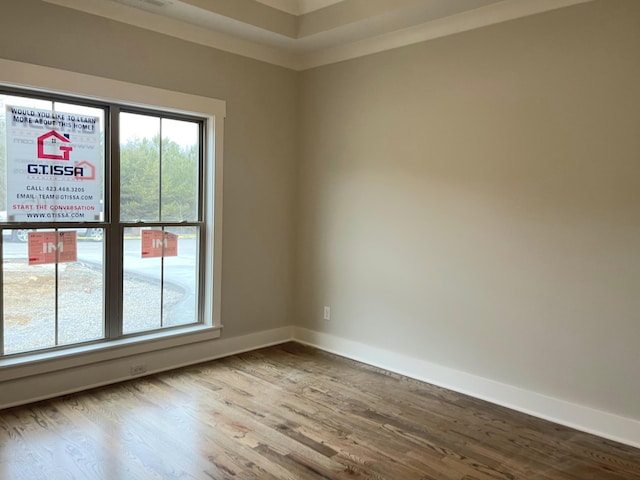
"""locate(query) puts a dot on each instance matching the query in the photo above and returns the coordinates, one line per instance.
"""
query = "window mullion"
(57, 300)
(160, 172)
(113, 230)
(162, 228)
(1, 294)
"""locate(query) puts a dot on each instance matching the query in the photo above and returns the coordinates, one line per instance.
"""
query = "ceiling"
(301, 34)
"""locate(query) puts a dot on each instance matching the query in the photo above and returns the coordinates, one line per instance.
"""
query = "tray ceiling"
(302, 34)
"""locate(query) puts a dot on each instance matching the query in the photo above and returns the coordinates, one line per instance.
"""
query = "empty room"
(320, 239)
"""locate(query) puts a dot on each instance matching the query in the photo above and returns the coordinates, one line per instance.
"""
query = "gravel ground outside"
(29, 304)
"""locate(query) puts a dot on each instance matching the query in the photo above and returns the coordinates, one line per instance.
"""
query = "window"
(117, 201)
(160, 170)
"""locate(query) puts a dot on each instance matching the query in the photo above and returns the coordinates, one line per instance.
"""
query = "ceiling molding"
(182, 30)
(335, 45)
(308, 6)
(298, 7)
(480, 17)
(289, 6)
(213, 13)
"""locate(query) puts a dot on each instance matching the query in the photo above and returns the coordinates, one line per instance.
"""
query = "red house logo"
(88, 171)
(53, 141)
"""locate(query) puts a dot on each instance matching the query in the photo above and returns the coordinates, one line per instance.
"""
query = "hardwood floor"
(293, 412)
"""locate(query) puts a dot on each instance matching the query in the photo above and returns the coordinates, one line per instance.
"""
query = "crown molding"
(287, 54)
(288, 6)
(308, 6)
(298, 7)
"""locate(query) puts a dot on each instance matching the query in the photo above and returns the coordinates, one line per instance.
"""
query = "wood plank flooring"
(293, 412)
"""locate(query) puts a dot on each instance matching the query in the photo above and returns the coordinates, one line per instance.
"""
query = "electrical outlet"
(327, 313)
(138, 369)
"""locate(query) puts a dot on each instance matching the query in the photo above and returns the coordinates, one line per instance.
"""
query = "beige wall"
(474, 201)
(260, 137)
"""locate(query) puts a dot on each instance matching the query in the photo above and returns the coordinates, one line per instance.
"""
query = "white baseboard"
(586, 419)
(19, 391)
(32, 388)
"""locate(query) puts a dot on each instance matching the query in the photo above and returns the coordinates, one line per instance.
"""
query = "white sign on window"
(53, 166)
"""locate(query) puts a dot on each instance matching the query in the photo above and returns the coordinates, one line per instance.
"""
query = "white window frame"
(81, 86)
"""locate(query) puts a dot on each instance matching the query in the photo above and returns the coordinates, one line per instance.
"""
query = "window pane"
(180, 274)
(139, 168)
(180, 155)
(4, 101)
(51, 161)
(81, 291)
(29, 300)
(100, 114)
(33, 317)
(159, 291)
(141, 286)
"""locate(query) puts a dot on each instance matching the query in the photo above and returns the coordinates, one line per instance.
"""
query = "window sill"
(46, 362)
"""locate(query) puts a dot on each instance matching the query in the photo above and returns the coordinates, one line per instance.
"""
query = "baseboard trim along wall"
(597, 422)
(29, 389)
(32, 388)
